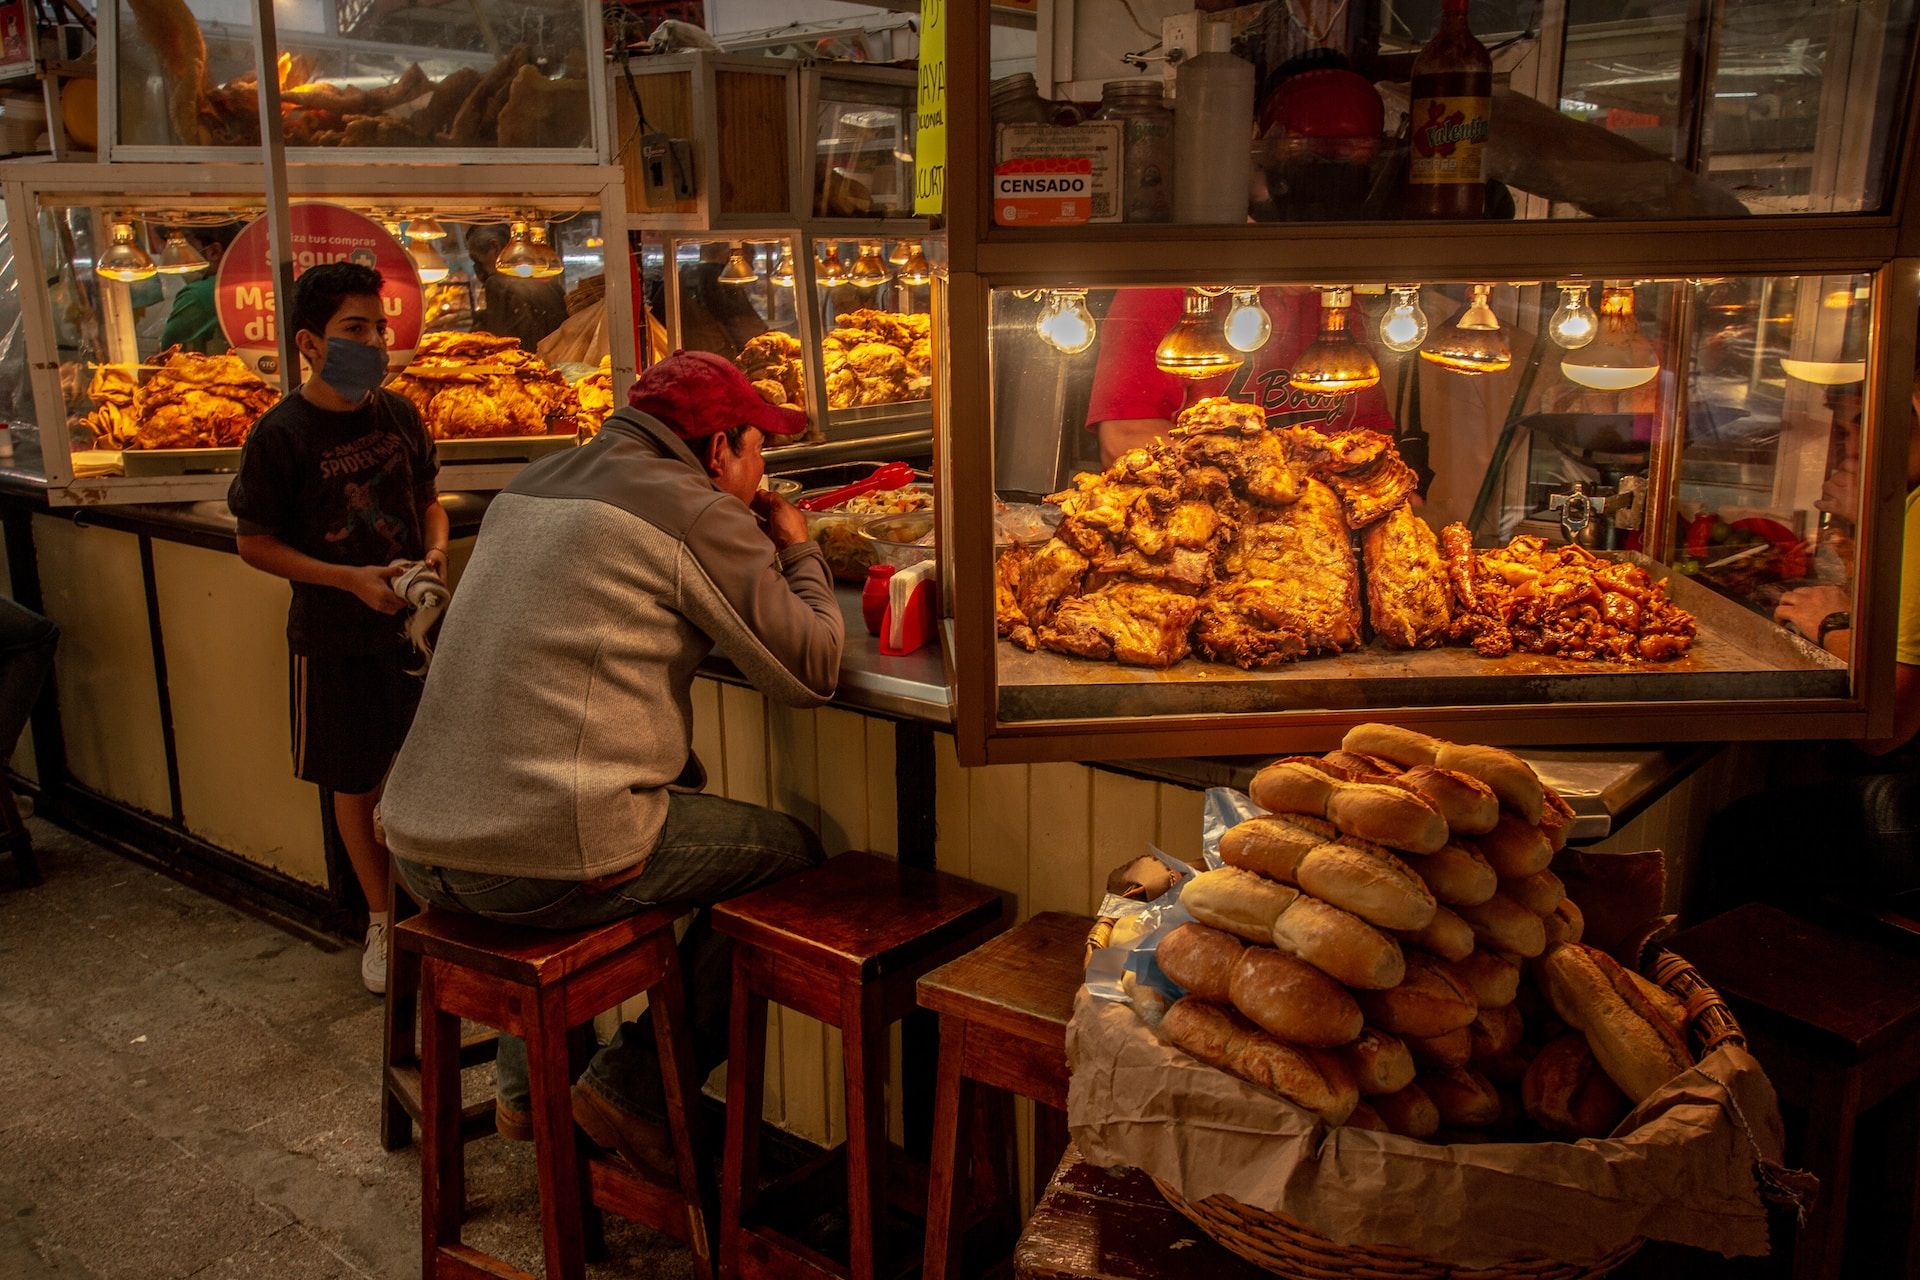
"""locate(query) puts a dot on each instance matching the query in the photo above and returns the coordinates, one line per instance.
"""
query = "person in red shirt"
(1133, 402)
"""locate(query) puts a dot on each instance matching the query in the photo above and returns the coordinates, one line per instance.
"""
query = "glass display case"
(510, 80)
(858, 359)
(159, 321)
(1549, 480)
(859, 152)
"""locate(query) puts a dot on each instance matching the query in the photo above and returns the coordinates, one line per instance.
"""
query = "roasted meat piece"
(485, 386)
(1217, 414)
(1131, 622)
(1009, 619)
(1055, 572)
(1407, 597)
(194, 401)
(1256, 464)
(1188, 571)
(1291, 587)
(1382, 486)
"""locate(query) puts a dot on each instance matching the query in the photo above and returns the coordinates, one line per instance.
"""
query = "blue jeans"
(711, 849)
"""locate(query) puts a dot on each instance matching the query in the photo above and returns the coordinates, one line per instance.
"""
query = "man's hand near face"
(785, 523)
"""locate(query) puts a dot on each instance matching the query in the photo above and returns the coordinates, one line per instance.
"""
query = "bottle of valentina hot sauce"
(1452, 114)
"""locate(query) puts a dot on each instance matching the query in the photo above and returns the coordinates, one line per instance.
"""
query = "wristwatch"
(1838, 620)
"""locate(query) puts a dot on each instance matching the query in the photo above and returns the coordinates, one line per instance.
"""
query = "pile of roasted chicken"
(878, 357)
(185, 401)
(1234, 542)
(482, 386)
(774, 365)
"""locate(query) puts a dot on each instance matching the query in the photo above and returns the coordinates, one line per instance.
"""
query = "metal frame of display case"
(597, 151)
(27, 183)
(983, 257)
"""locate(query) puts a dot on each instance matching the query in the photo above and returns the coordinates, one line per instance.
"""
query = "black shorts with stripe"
(350, 715)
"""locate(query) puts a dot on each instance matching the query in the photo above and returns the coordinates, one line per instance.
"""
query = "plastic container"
(899, 541)
(873, 597)
(1213, 132)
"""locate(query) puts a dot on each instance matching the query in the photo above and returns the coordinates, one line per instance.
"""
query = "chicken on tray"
(1234, 542)
(878, 357)
(481, 386)
(186, 401)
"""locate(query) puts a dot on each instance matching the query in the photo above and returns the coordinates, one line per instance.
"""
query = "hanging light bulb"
(916, 269)
(427, 259)
(124, 259)
(1248, 324)
(177, 257)
(782, 273)
(1471, 342)
(1574, 323)
(595, 241)
(547, 264)
(741, 267)
(518, 259)
(833, 273)
(426, 227)
(1403, 325)
(1065, 322)
(1334, 364)
(870, 269)
(1620, 357)
(1196, 347)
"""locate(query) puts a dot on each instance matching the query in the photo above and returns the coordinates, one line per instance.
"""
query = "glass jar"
(1147, 147)
(1016, 99)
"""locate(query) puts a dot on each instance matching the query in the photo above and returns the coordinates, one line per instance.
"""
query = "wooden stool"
(400, 1048)
(15, 838)
(546, 987)
(1835, 1020)
(1095, 1225)
(844, 943)
(1003, 1011)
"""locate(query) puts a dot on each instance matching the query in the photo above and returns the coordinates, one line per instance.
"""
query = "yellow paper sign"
(930, 140)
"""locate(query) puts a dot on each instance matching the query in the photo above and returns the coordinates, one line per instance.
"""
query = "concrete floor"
(186, 1090)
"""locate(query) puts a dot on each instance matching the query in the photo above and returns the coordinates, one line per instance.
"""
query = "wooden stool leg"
(953, 1099)
(26, 867)
(555, 1152)
(1902, 1174)
(398, 1046)
(1820, 1251)
(864, 1033)
(672, 1037)
(746, 1097)
(443, 1173)
(582, 1044)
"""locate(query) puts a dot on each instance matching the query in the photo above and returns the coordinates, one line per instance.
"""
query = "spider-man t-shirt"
(346, 488)
(1126, 385)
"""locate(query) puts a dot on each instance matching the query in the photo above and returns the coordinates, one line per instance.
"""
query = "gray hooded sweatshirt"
(557, 712)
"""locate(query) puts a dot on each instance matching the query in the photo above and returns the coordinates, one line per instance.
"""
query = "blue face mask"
(353, 369)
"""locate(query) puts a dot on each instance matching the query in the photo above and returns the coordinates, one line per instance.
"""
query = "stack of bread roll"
(1363, 950)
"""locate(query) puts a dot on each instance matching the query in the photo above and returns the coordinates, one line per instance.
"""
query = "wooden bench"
(844, 943)
(1835, 1020)
(1004, 1008)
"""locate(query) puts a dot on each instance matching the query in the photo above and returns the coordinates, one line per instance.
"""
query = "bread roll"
(1539, 893)
(1446, 935)
(1430, 1002)
(1514, 849)
(1494, 980)
(1468, 804)
(1501, 924)
(1405, 747)
(1671, 1008)
(1464, 1098)
(1443, 1053)
(1222, 1039)
(1564, 1091)
(1291, 999)
(1368, 881)
(1409, 1112)
(1371, 811)
(1566, 924)
(1293, 786)
(1556, 819)
(1630, 1035)
(1240, 902)
(1339, 944)
(1380, 1063)
(1495, 1033)
(1511, 778)
(1200, 960)
(1459, 876)
(1361, 768)
(1272, 846)
(1365, 1117)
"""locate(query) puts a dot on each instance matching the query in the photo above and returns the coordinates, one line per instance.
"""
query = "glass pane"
(21, 449)
(501, 74)
(877, 343)
(738, 298)
(1358, 495)
(864, 146)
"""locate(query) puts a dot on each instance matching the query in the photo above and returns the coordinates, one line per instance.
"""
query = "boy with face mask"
(336, 482)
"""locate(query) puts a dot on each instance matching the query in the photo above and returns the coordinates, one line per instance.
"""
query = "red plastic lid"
(1327, 103)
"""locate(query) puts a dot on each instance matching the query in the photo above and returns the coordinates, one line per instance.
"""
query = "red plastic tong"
(892, 476)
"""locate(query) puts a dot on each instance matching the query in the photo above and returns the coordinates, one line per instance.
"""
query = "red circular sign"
(320, 232)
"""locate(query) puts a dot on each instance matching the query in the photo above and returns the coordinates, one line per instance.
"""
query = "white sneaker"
(373, 961)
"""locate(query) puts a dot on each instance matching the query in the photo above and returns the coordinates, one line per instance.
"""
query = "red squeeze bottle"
(1452, 109)
(873, 597)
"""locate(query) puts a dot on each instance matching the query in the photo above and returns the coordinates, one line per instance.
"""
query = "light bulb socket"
(1196, 347)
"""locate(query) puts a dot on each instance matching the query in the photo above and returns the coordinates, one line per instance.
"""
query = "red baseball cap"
(698, 393)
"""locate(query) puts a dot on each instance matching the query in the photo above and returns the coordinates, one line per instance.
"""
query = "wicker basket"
(1287, 1247)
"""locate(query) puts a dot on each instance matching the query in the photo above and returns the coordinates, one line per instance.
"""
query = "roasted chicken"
(1289, 586)
(483, 386)
(1131, 622)
(188, 401)
(1408, 602)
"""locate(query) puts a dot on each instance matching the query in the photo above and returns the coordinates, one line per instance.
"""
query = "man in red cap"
(549, 777)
